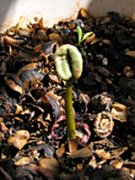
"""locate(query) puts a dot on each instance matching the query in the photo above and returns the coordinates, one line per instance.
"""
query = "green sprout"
(82, 37)
(69, 66)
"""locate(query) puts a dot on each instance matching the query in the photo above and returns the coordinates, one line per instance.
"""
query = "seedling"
(82, 37)
(69, 65)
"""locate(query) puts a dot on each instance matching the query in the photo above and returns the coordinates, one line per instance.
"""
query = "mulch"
(33, 138)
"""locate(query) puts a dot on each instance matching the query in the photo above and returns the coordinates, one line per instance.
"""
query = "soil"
(33, 138)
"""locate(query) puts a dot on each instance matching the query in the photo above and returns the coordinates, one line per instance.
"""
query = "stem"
(69, 111)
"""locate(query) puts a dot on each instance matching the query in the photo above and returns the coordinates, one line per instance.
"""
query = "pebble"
(105, 61)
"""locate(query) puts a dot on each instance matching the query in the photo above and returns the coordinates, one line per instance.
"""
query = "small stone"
(105, 61)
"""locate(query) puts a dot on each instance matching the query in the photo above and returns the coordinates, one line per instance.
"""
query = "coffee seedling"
(69, 65)
(82, 37)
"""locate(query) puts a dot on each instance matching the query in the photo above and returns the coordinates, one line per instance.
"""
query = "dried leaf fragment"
(61, 151)
(107, 150)
(52, 99)
(2, 125)
(15, 84)
(49, 47)
(110, 154)
(103, 154)
(73, 145)
(130, 53)
(22, 161)
(119, 112)
(54, 37)
(42, 35)
(117, 163)
(19, 139)
(13, 42)
(128, 71)
(30, 71)
(19, 109)
(51, 164)
(84, 152)
(84, 13)
(28, 67)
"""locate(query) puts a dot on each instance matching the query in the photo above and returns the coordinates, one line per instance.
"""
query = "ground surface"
(33, 142)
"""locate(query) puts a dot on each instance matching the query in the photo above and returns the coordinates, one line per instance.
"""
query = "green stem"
(69, 111)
